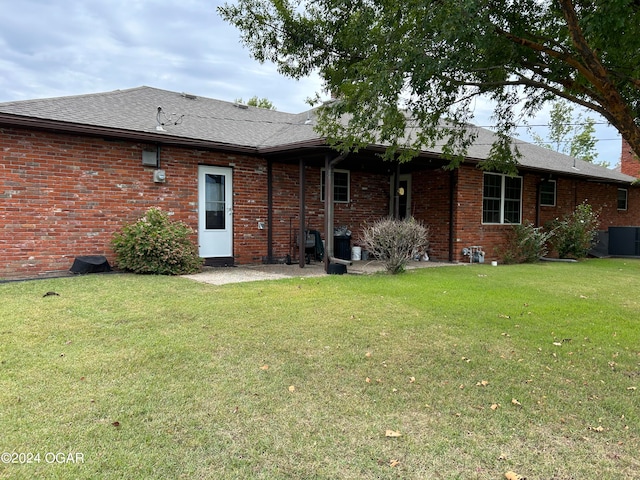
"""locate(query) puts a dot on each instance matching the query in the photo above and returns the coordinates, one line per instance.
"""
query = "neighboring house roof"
(216, 123)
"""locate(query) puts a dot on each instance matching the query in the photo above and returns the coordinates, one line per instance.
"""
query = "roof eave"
(11, 120)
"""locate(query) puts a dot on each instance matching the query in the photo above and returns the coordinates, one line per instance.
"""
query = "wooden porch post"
(302, 238)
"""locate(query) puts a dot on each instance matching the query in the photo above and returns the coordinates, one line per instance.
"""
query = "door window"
(214, 202)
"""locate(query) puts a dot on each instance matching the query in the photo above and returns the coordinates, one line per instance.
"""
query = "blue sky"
(52, 48)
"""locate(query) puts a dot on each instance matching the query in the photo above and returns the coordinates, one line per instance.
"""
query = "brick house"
(73, 170)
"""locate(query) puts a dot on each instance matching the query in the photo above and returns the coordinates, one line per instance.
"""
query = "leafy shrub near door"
(155, 244)
(395, 242)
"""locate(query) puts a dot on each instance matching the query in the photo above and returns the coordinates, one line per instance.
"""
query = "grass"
(481, 370)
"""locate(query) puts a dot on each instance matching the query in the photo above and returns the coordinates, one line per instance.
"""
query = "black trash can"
(342, 247)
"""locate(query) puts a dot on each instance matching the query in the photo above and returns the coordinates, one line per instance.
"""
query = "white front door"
(215, 212)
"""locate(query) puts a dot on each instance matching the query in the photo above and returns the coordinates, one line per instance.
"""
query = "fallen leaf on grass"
(631, 388)
(495, 406)
(598, 429)
(413, 380)
(392, 434)
(264, 367)
(516, 402)
(394, 463)
(292, 388)
(513, 476)
(368, 380)
(483, 383)
(116, 424)
(368, 354)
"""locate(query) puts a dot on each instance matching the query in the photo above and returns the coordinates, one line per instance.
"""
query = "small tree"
(570, 135)
(575, 234)
(395, 242)
(154, 244)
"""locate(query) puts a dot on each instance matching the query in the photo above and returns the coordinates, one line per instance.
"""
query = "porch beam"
(302, 239)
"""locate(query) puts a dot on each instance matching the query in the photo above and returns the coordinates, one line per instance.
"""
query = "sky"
(53, 48)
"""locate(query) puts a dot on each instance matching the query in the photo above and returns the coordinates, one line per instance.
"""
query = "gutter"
(57, 126)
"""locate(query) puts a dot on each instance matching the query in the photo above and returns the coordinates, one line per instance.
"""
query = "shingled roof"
(214, 123)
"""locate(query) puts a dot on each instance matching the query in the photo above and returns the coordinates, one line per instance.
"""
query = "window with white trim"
(548, 193)
(501, 199)
(623, 197)
(341, 182)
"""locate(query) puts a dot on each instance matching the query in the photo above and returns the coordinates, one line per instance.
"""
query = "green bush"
(527, 244)
(395, 242)
(154, 244)
(575, 234)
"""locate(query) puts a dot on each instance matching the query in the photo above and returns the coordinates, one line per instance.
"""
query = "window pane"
(492, 193)
(512, 195)
(491, 211)
(511, 211)
(622, 199)
(548, 193)
(340, 186)
(492, 186)
(214, 202)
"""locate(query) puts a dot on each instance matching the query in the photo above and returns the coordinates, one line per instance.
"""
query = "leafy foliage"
(395, 242)
(575, 234)
(155, 244)
(527, 244)
(435, 58)
(258, 102)
(568, 134)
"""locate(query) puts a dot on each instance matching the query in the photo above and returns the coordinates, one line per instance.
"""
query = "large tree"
(435, 58)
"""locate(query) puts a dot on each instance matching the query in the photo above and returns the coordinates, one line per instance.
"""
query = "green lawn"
(480, 370)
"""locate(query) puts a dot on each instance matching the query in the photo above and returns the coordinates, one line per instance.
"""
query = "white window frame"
(322, 184)
(555, 193)
(626, 199)
(502, 199)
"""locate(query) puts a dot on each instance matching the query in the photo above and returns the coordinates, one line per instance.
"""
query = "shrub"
(154, 244)
(527, 244)
(575, 234)
(395, 242)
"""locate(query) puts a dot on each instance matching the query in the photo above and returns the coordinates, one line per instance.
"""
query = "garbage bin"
(342, 247)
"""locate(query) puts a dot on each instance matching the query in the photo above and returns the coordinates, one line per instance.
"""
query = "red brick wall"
(629, 163)
(570, 192)
(430, 203)
(62, 196)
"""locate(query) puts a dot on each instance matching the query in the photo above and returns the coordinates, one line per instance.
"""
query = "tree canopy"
(422, 64)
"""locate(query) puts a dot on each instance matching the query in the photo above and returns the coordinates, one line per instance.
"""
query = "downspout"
(452, 182)
(329, 164)
(302, 238)
(269, 211)
(538, 201)
(396, 193)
